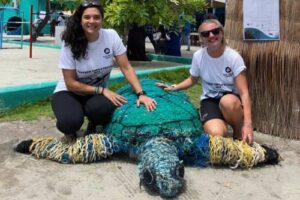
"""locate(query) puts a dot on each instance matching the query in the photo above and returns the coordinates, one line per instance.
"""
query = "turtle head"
(160, 169)
(167, 182)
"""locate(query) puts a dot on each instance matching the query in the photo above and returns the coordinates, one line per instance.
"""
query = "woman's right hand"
(166, 87)
(115, 98)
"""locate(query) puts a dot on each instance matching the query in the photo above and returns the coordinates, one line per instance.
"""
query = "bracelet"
(141, 93)
(174, 87)
(96, 90)
(99, 90)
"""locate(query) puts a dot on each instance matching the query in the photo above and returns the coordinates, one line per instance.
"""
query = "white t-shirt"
(61, 21)
(95, 69)
(217, 74)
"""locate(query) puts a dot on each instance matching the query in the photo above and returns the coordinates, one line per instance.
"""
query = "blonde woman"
(225, 97)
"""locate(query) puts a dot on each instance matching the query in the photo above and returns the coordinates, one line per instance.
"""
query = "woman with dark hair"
(86, 60)
(225, 98)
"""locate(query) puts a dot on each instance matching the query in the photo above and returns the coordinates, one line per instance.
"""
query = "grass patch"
(27, 112)
(176, 76)
(34, 111)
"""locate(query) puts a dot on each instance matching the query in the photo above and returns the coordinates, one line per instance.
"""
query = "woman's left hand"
(149, 103)
(115, 98)
(247, 134)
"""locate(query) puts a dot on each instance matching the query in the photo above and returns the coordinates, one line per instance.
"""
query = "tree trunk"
(43, 23)
(136, 49)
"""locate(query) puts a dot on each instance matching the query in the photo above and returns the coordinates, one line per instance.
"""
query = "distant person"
(225, 98)
(86, 60)
(61, 20)
(186, 35)
(174, 44)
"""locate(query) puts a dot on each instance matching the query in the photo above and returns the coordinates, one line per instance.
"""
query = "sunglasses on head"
(214, 31)
(90, 3)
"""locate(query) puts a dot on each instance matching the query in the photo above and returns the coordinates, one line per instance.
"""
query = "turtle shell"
(175, 117)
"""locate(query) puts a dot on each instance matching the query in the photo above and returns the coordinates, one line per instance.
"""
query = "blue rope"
(160, 157)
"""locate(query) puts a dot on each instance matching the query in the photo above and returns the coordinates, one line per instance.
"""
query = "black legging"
(70, 109)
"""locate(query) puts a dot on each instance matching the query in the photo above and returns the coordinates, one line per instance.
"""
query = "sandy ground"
(24, 177)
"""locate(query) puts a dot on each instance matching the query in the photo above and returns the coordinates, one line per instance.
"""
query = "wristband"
(99, 90)
(141, 93)
(174, 87)
(96, 90)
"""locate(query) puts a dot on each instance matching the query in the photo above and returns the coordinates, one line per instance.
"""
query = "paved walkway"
(17, 68)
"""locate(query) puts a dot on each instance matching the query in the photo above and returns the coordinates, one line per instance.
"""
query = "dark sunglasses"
(214, 31)
(90, 3)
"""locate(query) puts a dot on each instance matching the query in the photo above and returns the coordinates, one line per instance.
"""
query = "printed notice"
(261, 20)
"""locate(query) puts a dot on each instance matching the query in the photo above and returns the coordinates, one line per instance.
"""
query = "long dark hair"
(74, 33)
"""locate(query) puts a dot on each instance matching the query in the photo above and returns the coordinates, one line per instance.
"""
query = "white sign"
(261, 20)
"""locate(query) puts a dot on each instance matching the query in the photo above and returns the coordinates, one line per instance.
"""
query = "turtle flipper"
(24, 146)
(91, 148)
(235, 153)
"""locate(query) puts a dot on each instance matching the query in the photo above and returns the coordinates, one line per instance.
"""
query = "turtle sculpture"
(163, 141)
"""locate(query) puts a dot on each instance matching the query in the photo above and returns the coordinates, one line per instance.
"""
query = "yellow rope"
(235, 153)
(39, 145)
(86, 149)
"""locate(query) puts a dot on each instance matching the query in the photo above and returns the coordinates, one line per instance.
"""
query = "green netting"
(175, 116)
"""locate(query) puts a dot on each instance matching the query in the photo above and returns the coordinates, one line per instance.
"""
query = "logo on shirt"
(228, 71)
(106, 50)
(107, 54)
